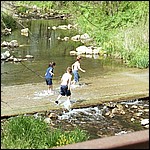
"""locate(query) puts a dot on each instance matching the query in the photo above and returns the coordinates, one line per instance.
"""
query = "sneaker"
(56, 102)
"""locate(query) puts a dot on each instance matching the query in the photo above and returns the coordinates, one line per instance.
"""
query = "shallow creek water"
(98, 121)
(44, 46)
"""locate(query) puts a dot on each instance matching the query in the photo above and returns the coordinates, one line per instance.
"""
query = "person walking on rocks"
(75, 68)
(48, 77)
(65, 85)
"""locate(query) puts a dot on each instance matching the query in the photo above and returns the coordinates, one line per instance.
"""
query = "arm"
(62, 78)
(51, 72)
(80, 68)
(46, 73)
(72, 66)
(69, 82)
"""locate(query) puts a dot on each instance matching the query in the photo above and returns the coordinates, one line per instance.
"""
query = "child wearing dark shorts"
(65, 85)
(64, 90)
(49, 75)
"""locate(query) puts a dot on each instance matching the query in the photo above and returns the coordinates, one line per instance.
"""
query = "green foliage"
(71, 137)
(26, 132)
(139, 59)
(7, 21)
(115, 26)
(45, 6)
(22, 9)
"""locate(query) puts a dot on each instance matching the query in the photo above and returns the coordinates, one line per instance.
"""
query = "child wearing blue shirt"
(49, 75)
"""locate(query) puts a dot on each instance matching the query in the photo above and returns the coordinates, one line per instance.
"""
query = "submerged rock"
(144, 121)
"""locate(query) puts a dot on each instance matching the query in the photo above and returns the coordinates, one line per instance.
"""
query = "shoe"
(56, 102)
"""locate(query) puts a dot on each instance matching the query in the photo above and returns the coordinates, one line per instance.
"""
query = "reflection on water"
(45, 47)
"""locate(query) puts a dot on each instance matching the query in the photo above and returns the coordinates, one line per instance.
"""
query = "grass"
(26, 132)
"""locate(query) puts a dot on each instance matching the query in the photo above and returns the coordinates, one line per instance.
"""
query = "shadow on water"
(45, 47)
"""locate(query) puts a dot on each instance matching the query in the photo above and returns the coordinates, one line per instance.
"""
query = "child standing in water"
(65, 85)
(48, 77)
(75, 68)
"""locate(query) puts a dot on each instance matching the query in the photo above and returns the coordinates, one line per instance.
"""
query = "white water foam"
(79, 85)
(132, 102)
(67, 104)
(41, 94)
(94, 112)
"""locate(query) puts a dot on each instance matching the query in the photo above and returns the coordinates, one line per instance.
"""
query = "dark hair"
(78, 58)
(69, 69)
(51, 64)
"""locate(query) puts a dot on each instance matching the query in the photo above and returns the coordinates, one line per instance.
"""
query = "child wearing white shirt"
(75, 68)
(65, 85)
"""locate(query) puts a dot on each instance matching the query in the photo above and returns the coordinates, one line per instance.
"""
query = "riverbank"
(31, 98)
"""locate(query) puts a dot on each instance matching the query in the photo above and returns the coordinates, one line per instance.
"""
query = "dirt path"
(30, 98)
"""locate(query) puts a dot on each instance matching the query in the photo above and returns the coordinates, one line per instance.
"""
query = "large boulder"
(85, 38)
(13, 43)
(82, 49)
(75, 38)
(25, 32)
(4, 44)
(5, 55)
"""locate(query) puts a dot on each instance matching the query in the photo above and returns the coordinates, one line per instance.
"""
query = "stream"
(108, 119)
(44, 46)
(99, 121)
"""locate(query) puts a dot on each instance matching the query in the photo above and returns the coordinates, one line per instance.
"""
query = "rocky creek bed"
(107, 119)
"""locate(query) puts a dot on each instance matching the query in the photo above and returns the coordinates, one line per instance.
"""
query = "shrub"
(7, 21)
(24, 132)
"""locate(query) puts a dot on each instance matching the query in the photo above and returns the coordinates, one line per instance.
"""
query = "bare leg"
(72, 82)
(68, 103)
(57, 101)
(68, 98)
(59, 96)
(50, 89)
